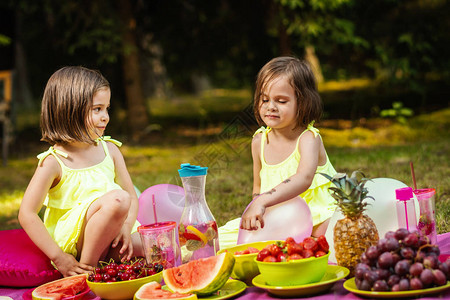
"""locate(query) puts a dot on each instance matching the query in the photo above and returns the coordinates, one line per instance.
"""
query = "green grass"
(380, 148)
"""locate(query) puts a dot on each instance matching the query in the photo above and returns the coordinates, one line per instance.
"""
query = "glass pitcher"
(197, 228)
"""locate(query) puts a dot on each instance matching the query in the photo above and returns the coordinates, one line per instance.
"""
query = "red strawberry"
(290, 240)
(294, 248)
(263, 254)
(281, 257)
(270, 258)
(323, 244)
(295, 256)
(310, 244)
(274, 250)
(320, 253)
(307, 253)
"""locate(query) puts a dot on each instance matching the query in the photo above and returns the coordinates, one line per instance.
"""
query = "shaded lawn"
(379, 148)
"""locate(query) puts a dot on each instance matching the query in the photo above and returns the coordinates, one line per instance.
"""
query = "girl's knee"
(120, 201)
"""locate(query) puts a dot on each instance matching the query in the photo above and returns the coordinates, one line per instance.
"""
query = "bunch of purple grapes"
(401, 261)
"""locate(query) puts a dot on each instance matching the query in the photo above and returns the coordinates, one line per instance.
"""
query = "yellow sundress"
(68, 201)
(316, 196)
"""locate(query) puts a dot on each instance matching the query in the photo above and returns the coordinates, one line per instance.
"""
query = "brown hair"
(301, 78)
(66, 105)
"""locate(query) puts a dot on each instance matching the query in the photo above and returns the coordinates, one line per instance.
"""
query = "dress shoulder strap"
(311, 128)
(52, 151)
(109, 139)
(105, 139)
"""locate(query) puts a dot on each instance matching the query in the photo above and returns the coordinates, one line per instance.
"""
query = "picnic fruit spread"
(153, 291)
(202, 277)
(401, 261)
(68, 287)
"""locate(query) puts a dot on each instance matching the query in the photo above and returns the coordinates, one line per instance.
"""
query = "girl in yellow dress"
(289, 153)
(91, 204)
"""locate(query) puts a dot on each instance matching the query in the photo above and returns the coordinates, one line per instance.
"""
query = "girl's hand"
(69, 266)
(254, 212)
(126, 251)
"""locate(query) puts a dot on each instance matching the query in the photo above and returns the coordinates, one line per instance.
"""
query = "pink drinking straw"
(154, 208)
(413, 175)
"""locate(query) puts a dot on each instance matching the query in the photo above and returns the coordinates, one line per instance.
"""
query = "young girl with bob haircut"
(289, 153)
(82, 179)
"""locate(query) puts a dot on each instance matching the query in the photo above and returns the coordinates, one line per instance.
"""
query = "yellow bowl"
(121, 289)
(245, 268)
(294, 272)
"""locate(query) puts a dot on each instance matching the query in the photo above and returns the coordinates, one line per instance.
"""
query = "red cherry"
(112, 272)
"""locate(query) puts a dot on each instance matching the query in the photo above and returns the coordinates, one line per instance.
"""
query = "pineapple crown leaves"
(349, 192)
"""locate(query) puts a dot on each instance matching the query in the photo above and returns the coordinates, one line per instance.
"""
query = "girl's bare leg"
(104, 219)
(320, 229)
(138, 250)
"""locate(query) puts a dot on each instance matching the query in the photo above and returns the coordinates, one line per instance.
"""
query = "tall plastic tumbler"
(160, 243)
(427, 219)
(406, 211)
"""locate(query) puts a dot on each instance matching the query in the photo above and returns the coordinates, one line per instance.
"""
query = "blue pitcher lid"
(191, 170)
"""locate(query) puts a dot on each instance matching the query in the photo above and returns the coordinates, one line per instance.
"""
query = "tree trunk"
(137, 115)
(284, 40)
(311, 57)
(22, 89)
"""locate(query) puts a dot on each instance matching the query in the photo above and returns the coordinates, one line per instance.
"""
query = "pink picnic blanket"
(255, 293)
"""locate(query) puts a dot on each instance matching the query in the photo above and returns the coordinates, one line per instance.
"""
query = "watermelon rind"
(63, 288)
(218, 276)
(153, 291)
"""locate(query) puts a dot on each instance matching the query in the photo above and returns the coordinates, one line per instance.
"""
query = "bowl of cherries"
(115, 280)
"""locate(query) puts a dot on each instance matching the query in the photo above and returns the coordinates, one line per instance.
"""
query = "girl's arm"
(44, 177)
(256, 156)
(298, 183)
(124, 180)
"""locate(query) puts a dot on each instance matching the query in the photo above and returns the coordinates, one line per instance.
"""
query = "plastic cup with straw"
(160, 241)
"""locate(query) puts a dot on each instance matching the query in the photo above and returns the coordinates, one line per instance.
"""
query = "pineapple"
(356, 231)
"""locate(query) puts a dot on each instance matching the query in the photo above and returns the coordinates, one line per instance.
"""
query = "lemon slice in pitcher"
(198, 233)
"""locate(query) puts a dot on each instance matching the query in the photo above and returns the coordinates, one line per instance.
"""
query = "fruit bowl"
(245, 268)
(121, 289)
(293, 272)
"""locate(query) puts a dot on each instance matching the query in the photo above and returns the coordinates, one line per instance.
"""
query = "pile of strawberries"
(291, 250)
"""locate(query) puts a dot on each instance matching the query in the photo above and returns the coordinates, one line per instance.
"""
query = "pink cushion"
(22, 263)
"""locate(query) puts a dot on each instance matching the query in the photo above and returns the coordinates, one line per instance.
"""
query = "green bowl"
(121, 289)
(294, 272)
(245, 268)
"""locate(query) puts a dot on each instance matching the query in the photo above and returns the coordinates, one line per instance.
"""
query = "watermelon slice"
(153, 291)
(74, 287)
(203, 276)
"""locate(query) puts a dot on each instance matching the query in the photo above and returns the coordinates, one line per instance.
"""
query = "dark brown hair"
(66, 105)
(301, 78)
